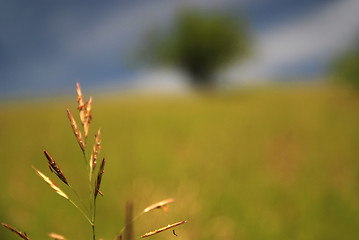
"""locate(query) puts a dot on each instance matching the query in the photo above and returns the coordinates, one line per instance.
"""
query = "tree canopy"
(346, 68)
(200, 44)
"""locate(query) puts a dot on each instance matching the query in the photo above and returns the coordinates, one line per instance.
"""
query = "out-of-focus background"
(246, 112)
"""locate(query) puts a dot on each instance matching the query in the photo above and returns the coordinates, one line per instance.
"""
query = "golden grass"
(260, 164)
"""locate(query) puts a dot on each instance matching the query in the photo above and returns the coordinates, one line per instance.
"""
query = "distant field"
(276, 163)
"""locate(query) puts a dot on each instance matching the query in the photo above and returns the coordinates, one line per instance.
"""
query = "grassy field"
(273, 163)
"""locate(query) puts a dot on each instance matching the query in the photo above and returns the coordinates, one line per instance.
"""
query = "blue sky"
(46, 46)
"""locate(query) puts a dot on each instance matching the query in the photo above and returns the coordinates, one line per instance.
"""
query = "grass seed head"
(96, 150)
(76, 130)
(51, 183)
(84, 110)
(54, 167)
(88, 117)
(20, 234)
(81, 106)
(99, 177)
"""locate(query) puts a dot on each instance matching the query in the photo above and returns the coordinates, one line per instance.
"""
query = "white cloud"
(161, 81)
(320, 35)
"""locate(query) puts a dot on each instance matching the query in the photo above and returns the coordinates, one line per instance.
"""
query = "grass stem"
(83, 213)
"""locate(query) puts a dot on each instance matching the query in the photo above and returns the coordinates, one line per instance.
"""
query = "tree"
(346, 68)
(200, 44)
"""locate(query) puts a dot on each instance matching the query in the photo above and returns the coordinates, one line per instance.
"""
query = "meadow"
(264, 163)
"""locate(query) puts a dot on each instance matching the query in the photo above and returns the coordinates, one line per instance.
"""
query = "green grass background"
(269, 163)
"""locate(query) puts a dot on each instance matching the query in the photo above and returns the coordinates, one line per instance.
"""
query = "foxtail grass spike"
(55, 168)
(161, 204)
(99, 177)
(163, 229)
(76, 130)
(96, 150)
(20, 234)
(51, 183)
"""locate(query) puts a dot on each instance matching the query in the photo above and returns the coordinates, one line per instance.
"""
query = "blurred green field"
(270, 163)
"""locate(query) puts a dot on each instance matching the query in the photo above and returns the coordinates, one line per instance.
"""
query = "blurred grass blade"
(163, 229)
(56, 236)
(161, 204)
(20, 234)
(128, 221)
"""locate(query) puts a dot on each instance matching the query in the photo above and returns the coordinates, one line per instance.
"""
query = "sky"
(47, 46)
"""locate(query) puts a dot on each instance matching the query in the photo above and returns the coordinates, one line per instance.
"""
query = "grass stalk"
(81, 211)
(94, 182)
